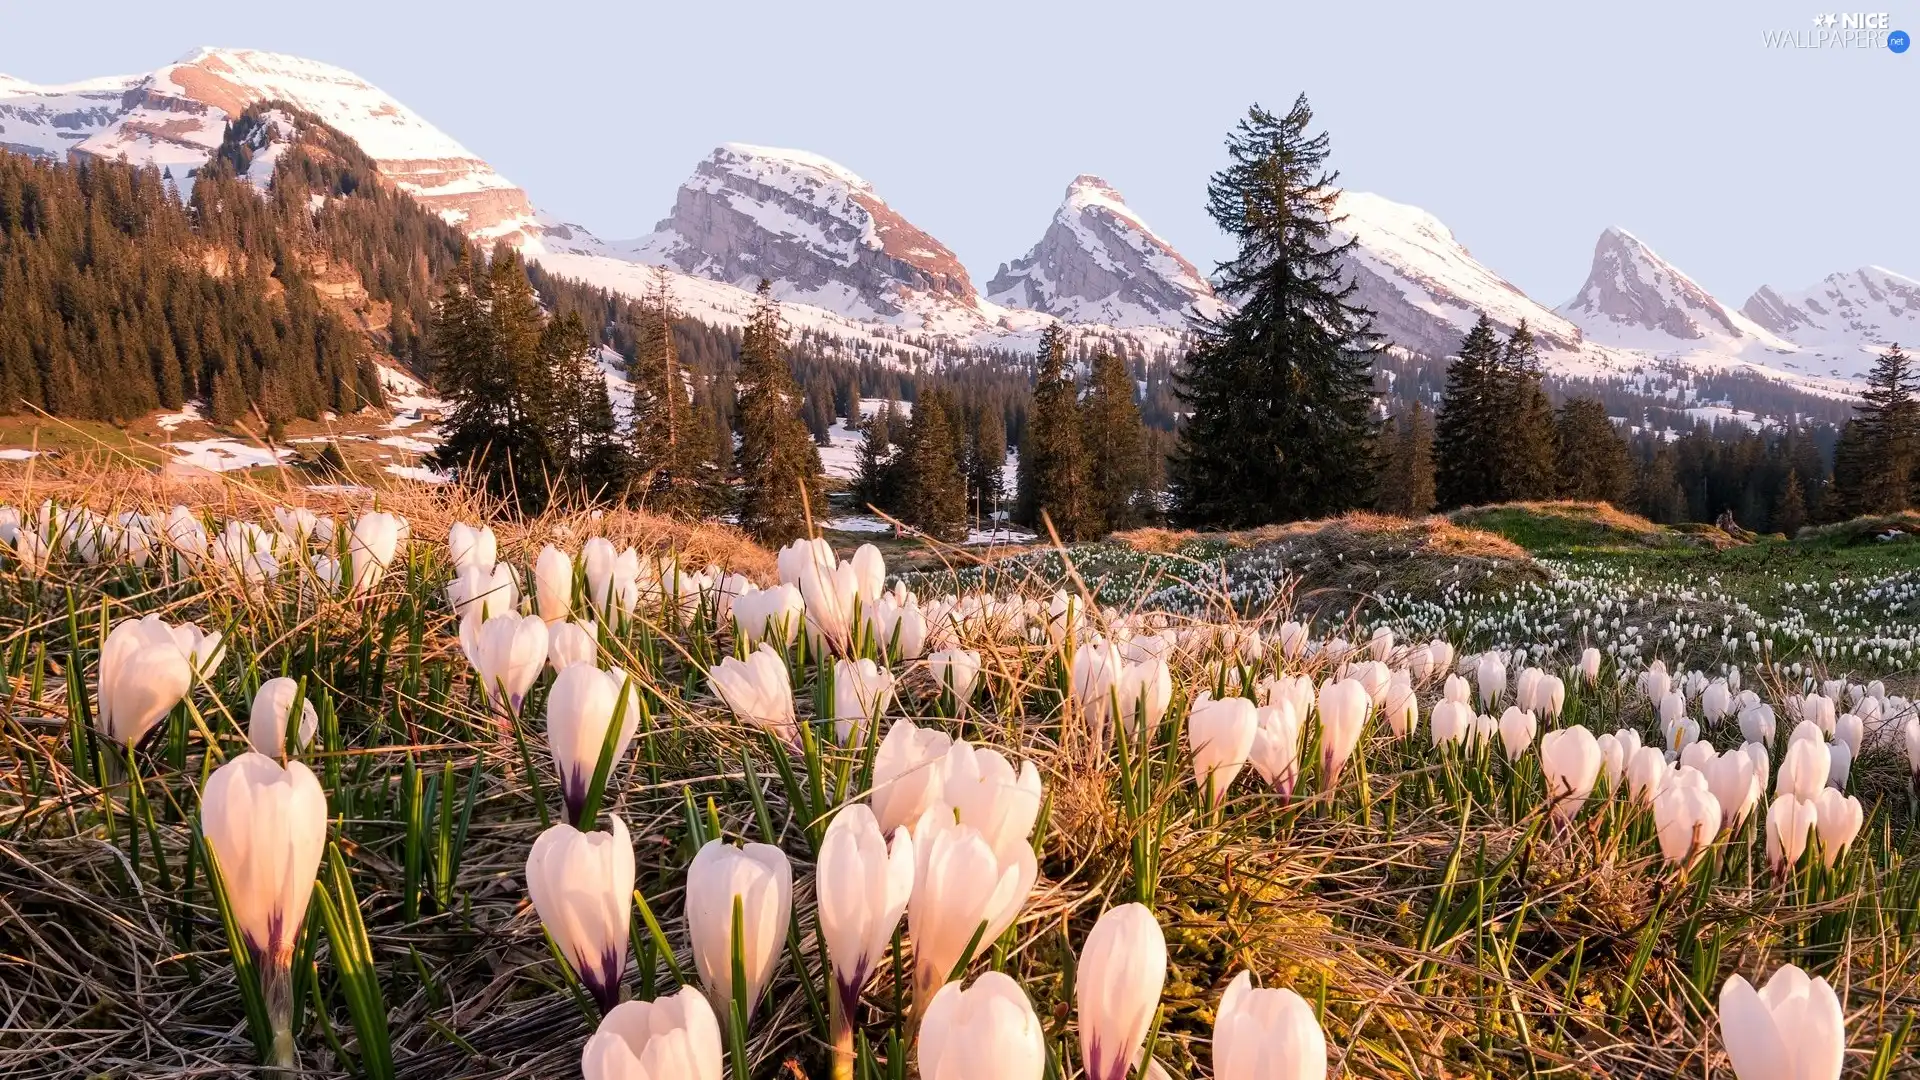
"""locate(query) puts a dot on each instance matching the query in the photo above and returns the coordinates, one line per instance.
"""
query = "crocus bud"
(1266, 1035)
(203, 650)
(267, 723)
(906, 774)
(1837, 819)
(1491, 675)
(960, 884)
(582, 887)
(1275, 752)
(1646, 773)
(570, 643)
(1804, 768)
(769, 615)
(143, 675)
(1123, 967)
(1756, 723)
(863, 884)
(1792, 1029)
(268, 826)
(1789, 821)
(580, 707)
(1590, 665)
(1220, 734)
(1731, 778)
(986, 1030)
(372, 548)
(1911, 734)
(1144, 689)
(758, 691)
(491, 589)
(1687, 818)
(468, 546)
(1449, 722)
(1400, 707)
(988, 793)
(759, 877)
(1516, 731)
(1570, 758)
(958, 670)
(553, 584)
(671, 1038)
(507, 653)
(862, 690)
(1093, 677)
(1839, 764)
(1457, 689)
(1343, 711)
(1442, 654)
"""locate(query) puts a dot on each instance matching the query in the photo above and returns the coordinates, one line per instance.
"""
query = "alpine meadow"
(439, 641)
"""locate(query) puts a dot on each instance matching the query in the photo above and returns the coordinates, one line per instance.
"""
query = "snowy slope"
(1099, 262)
(1634, 299)
(1846, 319)
(47, 121)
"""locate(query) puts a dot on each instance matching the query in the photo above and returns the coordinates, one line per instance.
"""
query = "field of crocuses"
(400, 790)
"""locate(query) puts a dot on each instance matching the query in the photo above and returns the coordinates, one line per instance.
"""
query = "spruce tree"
(1279, 391)
(1594, 462)
(672, 447)
(870, 484)
(489, 365)
(933, 495)
(777, 464)
(1790, 507)
(987, 463)
(1464, 440)
(1875, 461)
(1526, 465)
(1052, 469)
(1115, 437)
(1406, 479)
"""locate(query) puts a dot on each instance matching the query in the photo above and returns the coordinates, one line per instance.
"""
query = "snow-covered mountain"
(173, 118)
(1099, 262)
(817, 230)
(1846, 319)
(1634, 299)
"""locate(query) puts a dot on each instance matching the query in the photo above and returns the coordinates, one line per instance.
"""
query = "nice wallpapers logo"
(1843, 30)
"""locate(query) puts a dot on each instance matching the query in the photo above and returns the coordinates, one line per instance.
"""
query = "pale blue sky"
(1527, 127)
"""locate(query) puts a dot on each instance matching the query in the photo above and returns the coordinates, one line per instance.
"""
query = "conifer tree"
(1053, 469)
(777, 464)
(1594, 462)
(672, 448)
(933, 495)
(1406, 476)
(588, 449)
(490, 366)
(1875, 461)
(1464, 446)
(987, 464)
(1280, 390)
(818, 411)
(872, 484)
(1790, 507)
(1117, 473)
(1526, 464)
(1657, 492)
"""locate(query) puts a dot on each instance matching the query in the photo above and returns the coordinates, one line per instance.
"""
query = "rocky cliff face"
(813, 227)
(1099, 262)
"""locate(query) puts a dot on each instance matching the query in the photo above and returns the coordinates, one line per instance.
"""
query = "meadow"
(389, 784)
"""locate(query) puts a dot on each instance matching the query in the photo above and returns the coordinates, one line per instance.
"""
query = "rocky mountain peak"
(1099, 262)
(1634, 298)
(814, 227)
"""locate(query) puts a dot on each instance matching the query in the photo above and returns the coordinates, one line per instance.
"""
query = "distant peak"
(801, 159)
(1088, 181)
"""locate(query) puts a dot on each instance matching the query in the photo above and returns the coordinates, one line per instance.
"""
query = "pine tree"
(1526, 465)
(1280, 390)
(777, 464)
(1115, 438)
(1053, 470)
(1406, 479)
(1790, 508)
(672, 448)
(818, 413)
(1594, 462)
(933, 494)
(1657, 492)
(588, 449)
(1464, 441)
(1875, 461)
